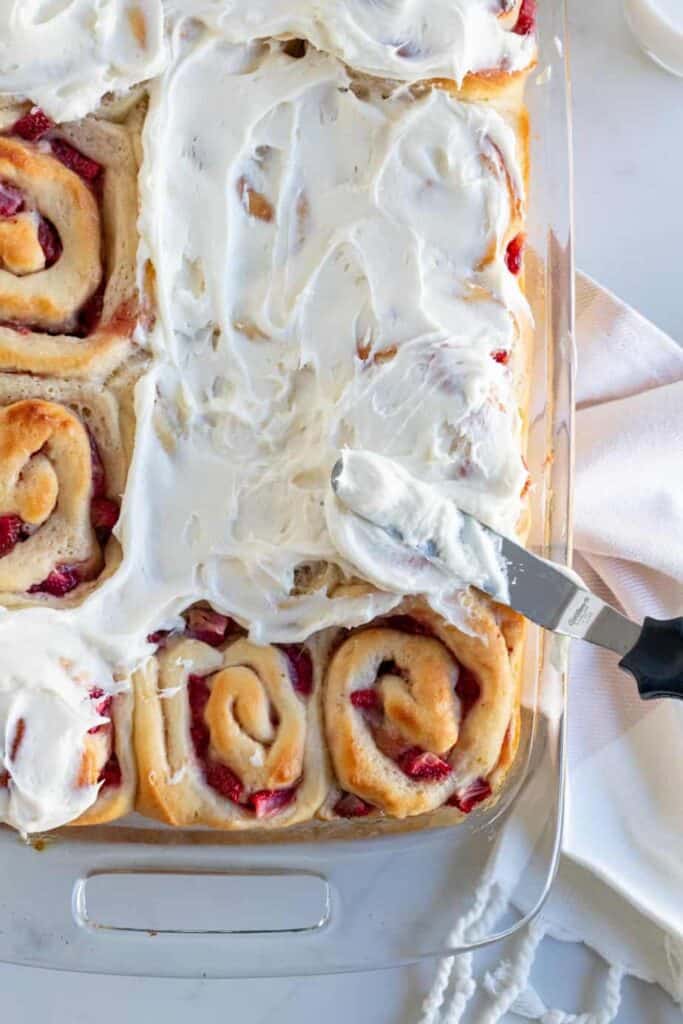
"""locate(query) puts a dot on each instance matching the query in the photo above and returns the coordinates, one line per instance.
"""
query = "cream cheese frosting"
(66, 56)
(329, 253)
(408, 536)
(46, 677)
(401, 39)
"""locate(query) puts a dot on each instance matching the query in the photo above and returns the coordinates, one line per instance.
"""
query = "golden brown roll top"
(68, 208)
(229, 735)
(62, 473)
(419, 714)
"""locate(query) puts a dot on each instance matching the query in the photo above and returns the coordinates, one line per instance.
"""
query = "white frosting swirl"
(47, 672)
(401, 39)
(408, 536)
(66, 56)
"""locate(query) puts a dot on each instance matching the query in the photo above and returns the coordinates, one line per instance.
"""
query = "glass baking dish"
(137, 898)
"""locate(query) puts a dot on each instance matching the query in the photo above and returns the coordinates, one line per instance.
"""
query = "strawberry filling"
(18, 737)
(477, 791)
(12, 530)
(91, 313)
(501, 356)
(158, 637)
(468, 690)
(50, 242)
(76, 161)
(61, 581)
(208, 626)
(351, 806)
(104, 514)
(111, 774)
(406, 624)
(423, 766)
(32, 126)
(514, 254)
(526, 22)
(103, 708)
(366, 700)
(301, 668)
(219, 777)
(267, 802)
(11, 199)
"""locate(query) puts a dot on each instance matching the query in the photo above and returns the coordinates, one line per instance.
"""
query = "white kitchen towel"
(620, 887)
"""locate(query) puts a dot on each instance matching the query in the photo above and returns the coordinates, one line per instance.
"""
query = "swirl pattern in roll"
(229, 736)
(419, 715)
(61, 479)
(68, 299)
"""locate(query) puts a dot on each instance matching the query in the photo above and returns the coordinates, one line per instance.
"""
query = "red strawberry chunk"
(500, 356)
(198, 694)
(469, 798)
(158, 637)
(223, 780)
(4, 780)
(33, 125)
(467, 689)
(514, 253)
(207, 625)
(50, 242)
(267, 802)
(11, 199)
(526, 22)
(82, 165)
(423, 766)
(111, 774)
(104, 514)
(367, 700)
(61, 580)
(302, 668)
(103, 708)
(11, 532)
(351, 806)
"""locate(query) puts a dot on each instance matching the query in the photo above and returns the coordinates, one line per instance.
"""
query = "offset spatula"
(651, 652)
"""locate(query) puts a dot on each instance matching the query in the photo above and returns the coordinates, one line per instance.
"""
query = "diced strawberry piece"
(514, 253)
(223, 780)
(268, 802)
(367, 700)
(32, 126)
(302, 668)
(198, 694)
(103, 708)
(11, 199)
(207, 625)
(18, 737)
(91, 313)
(467, 689)
(526, 21)
(61, 580)
(111, 774)
(50, 242)
(351, 806)
(158, 637)
(4, 780)
(11, 532)
(82, 165)
(104, 514)
(501, 356)
(423, 766)
(474, 794)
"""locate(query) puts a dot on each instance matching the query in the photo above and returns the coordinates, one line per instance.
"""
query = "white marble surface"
(629, 219)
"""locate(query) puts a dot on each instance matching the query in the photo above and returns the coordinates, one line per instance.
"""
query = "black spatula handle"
(656, 661)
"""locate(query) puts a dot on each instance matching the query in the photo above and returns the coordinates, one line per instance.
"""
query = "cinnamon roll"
(68, 206)
(420, 715)
(227, 733)
(66, 754)
(62, 473)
